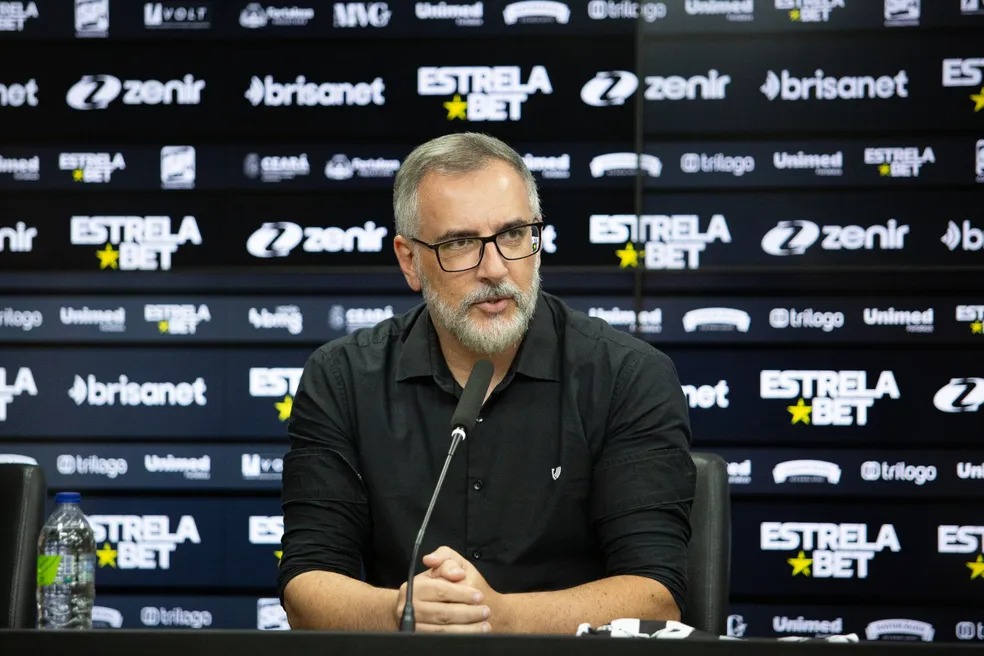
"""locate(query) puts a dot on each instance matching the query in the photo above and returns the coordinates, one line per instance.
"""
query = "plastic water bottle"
(66, 567)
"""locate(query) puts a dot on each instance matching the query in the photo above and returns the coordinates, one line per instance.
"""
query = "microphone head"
(472, 397)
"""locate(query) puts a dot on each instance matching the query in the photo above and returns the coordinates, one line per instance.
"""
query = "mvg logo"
(361, 14)
(262, 466)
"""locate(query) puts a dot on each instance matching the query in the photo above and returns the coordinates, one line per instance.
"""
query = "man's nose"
(493, 265)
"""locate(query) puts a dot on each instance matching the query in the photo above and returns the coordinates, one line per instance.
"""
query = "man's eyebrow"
(464, 234)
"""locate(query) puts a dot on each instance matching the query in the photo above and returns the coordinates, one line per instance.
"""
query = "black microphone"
(462, 422)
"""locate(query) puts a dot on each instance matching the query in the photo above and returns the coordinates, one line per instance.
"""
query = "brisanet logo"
(838, 398)
(15, 94)
(828, 550)
(820, 86)
(125, 392)
(270, 93)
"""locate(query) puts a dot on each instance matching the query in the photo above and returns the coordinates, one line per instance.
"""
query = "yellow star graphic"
(107, 555)
(884, 169)
(77, 175)
(794, 15)
(284, 407)
(977, 328)
(978, 99)
(628, 256)
(163, 326)
(108, 257)
(456, 108)
(976, 567)
(279, 554)
(801, 564)
(800, 411)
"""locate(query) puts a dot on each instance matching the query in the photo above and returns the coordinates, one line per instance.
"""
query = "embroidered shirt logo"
(555, 472)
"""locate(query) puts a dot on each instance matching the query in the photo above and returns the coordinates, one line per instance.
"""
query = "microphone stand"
(407, 622)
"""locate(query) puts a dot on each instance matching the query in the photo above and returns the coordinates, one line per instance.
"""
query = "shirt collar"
(538, 356)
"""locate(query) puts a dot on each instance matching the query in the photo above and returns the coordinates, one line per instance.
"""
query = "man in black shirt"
(569, 502)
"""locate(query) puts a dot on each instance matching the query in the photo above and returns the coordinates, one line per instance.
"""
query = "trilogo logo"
(839, 398)
(140, 541)
(827, 550)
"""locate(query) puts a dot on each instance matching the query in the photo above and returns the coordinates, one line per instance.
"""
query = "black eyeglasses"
(463, 253)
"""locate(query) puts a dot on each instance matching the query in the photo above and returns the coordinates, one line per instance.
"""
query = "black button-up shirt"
(578, 469)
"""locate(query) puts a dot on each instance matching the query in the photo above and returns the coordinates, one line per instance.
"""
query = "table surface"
(217, 642)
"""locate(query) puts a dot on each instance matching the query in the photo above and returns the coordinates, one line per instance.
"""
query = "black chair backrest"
(23, 491)
(709, 553)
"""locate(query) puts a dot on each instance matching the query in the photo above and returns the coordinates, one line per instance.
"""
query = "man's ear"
(404, 250)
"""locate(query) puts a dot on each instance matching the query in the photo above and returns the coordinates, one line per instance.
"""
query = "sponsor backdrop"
(783, 195)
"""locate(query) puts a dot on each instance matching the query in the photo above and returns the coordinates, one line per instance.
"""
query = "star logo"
(107, 555)
(884, 169)
(77, 175)
(456, 108)
(108, 258)
(163, 326)
(976, 567)
(801, 564)
(800, 412)
(978, 99)
(795, 15)
(279, 553)
(976, 328)
(284, 407)
(628, 256)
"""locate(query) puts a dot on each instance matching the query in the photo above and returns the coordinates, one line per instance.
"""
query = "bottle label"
(86, 569)
(48, 566)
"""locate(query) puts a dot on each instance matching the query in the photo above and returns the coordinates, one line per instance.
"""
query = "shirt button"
(478, 485)
(476, 554)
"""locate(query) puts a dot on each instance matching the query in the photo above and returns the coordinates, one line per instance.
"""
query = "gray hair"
(460, 152)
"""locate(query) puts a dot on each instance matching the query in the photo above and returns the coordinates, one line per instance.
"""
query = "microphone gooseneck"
(462, 422)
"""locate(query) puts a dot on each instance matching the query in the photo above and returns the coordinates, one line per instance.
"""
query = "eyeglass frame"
(485, 240)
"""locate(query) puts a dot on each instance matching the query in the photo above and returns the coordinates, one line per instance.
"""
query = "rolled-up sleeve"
(326, 512)
(643, 480)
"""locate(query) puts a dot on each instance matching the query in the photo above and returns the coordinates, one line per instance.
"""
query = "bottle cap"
(68, 497)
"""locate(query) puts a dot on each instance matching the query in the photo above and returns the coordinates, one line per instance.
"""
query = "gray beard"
(500, 333)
